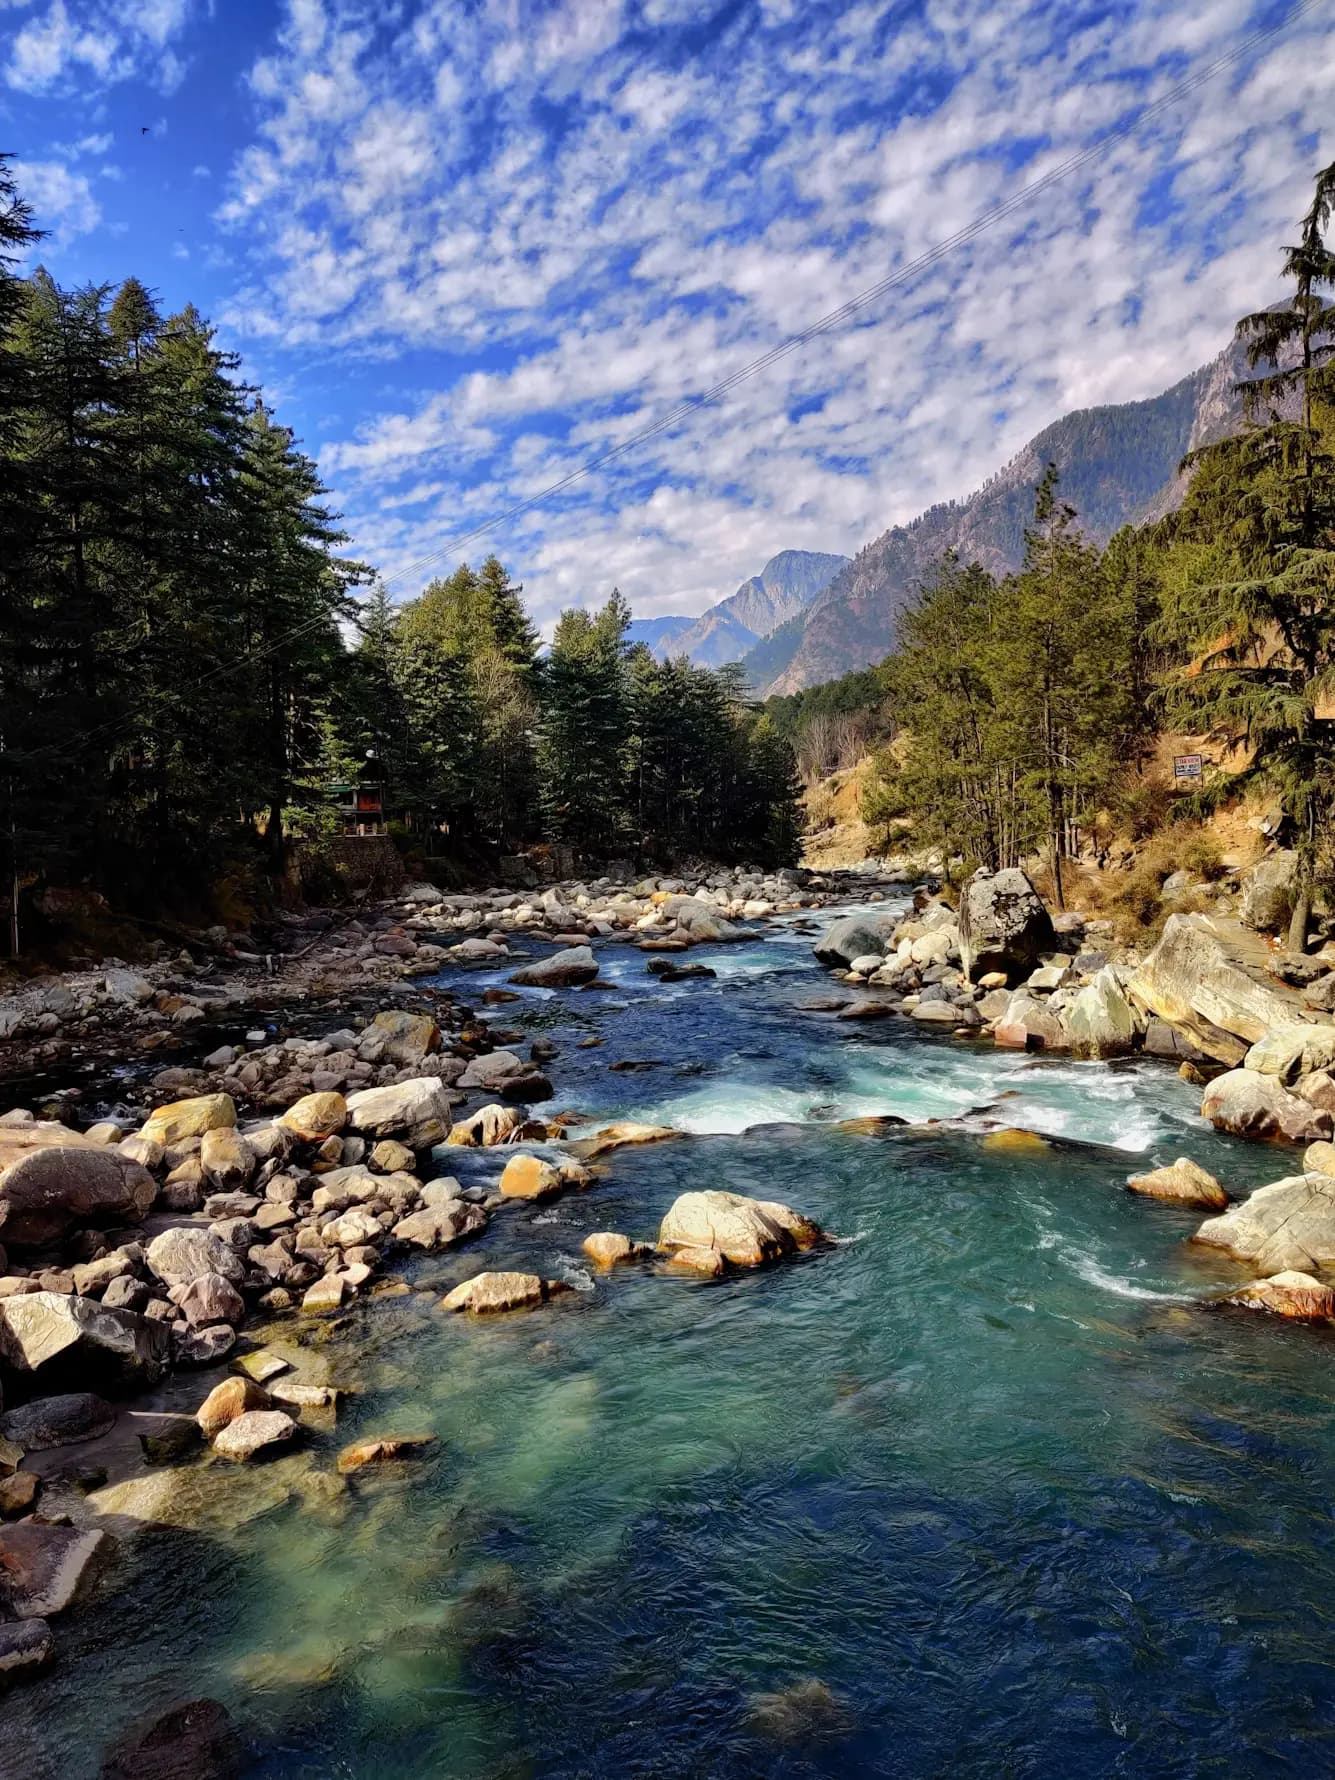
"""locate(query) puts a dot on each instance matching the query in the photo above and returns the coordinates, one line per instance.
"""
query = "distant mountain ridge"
(1119, 465)
(784, 588)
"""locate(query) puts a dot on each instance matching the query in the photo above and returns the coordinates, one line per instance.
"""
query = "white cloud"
(97, 42)
(562, 219)
(62, 201)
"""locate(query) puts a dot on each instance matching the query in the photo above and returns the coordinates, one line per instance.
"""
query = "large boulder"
(1003, 924)
(1100, 1021)
(316, 1116)
(563, 970)
(1253, 1105)
(228, 1402)
(1288, 1225)
(855, 936)
(69, 1340)
(418, 1110)
(745, 1232)
(491, 1072)
(44, 1569)
(1198, 983)
(182, 1255)
(57, 1421)
(185, 1119)
(488, 1126)
(1290, 1051)
(52, 1191)
(699, 920)
(1268, 893)
(438, 1226)
(408, 1037)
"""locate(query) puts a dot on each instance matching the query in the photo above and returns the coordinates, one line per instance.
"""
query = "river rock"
(226, 1402)
(1253, 1105)
(529, 1177)
(1193, 980)
(326, 1294)
(1100, 1021)
(57, 1421)
(408, 1037)
(1289, 1294)
(855, 936)
(316, 1116)
(1184, 1182)
(488, 1126)
(563, 970)
(417, 1110)
(487, 1293)
(226, 1159)
(1293, 1050)
(1003, 925)
(746, 1232)
(1029, 1025)
(194, 1741)
(184, 1119)
(437, 1226)
(1319, 1158)
(44, 1569)
(49, 1191)
(1268, 893)
(606, 1248)
(1289, 1224)
(76, 1340)
(254, 1431)
(182, 1255)
(25, 1647)
(210, 1299)
(491, 1072)
(707, 1261)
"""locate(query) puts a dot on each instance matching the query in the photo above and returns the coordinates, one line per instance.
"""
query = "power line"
(690, 405)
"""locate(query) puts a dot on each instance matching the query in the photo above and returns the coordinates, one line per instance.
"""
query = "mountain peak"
(785, 587)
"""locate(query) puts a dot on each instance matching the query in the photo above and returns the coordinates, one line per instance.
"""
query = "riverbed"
(984, 1488)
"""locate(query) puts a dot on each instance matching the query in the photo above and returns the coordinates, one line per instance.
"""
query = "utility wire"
(690, 405)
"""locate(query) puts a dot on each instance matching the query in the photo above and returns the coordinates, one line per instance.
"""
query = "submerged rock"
(24, 1648)
(1253, 1105)
(618, 1136)
(194, 1741)
(1289, 1294)
(746, 1232)
(1288, 1225)
(1184, 1182)
(381, 1449)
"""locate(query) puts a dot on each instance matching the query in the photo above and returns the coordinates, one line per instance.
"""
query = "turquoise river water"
(984, 1489)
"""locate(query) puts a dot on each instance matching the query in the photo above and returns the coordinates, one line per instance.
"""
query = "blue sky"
(466, 247)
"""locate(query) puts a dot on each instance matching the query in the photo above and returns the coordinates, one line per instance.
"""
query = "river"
(985, 1470)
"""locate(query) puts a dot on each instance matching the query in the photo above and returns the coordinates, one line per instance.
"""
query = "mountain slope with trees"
(1119, 465)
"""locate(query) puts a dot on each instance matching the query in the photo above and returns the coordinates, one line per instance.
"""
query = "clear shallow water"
(985, 1469)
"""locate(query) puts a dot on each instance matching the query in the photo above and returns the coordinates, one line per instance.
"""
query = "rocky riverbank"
(275, 1179)
(1250, 1023)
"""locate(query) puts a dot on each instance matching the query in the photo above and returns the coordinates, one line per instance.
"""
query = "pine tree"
(1258, 628)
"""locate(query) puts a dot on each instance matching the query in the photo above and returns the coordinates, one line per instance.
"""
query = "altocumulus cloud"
(543, 225)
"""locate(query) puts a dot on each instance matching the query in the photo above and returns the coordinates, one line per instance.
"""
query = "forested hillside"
(1119, 465)
(723, 633)
(190, 664)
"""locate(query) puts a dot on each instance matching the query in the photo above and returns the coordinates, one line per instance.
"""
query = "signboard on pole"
(1188, 766)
